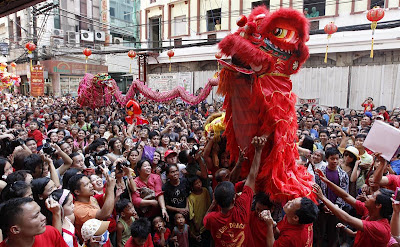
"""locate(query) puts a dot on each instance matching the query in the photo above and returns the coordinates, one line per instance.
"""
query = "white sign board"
(383, 138)
(169, 81)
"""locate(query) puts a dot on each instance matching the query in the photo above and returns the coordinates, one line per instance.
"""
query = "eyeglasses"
(332, 137)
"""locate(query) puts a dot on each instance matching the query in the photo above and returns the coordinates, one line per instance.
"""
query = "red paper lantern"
(132, 54)
(87, 52)
(13, 65)
(170, 53)
(375, 14)
(330, 28)
(30, 46)
(218, 55)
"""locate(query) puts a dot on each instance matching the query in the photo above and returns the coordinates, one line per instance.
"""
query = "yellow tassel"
(374, 24)
(326, 54)
(372, 48)
(169, 64)
(130, 68)
(86, 65)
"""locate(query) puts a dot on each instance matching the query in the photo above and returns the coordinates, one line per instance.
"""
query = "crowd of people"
(73, 176)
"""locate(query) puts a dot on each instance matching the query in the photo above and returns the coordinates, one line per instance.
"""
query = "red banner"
(37, 81)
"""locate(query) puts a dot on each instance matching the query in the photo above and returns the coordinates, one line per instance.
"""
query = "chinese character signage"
(37, 81)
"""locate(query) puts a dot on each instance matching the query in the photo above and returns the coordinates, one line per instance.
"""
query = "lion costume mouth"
(275, 50)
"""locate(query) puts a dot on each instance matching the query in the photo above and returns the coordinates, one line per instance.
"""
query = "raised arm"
(337, 190)
(108, 205)
(378, 174)
(355, 173)
(258, 143)
(339, 213)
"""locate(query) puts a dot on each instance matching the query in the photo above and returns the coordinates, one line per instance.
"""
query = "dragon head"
(285, 32)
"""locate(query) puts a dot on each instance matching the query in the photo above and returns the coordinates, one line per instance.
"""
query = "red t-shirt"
(258, 230)
(148, 243)
(51, 237)
(394, 182)
(157, 236)
(228, 229)
(37, 135)
(368, 107)
(294, 235)
(375, 233)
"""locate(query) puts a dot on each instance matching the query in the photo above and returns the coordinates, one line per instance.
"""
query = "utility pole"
(35, 38)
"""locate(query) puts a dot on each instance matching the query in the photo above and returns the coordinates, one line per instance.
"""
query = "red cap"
(168, 152)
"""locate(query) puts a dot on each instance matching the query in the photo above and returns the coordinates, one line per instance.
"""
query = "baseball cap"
(369, 114)
(168, 152)
(93, 227)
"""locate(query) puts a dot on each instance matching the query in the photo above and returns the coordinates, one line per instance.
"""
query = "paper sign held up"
(383, 138)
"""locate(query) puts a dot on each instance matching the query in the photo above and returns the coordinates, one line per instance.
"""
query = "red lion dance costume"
(265, 51)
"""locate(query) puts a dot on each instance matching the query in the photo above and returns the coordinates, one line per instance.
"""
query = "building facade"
(193, 27)
(63, 29)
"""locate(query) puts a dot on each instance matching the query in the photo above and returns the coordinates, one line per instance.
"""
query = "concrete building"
(184, 22)
(62, 34)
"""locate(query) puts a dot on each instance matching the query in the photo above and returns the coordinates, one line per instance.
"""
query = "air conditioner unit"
(100, 36)
(97, 47)
(57, 43)
(57, 33)
(72, 37)
(118, 41)
(87, 36)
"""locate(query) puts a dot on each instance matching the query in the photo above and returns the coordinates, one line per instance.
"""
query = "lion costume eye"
(280, 33)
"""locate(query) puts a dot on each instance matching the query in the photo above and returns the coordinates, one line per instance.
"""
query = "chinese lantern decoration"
(329, 29)
(218, 56)
(13, 65)
(31, 47)
(3, 66)
(132, 55)
(87, 52)
(241, 22)
(170, 54)
(375, 14)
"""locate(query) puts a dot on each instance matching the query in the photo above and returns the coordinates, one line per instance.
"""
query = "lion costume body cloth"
(259, 99)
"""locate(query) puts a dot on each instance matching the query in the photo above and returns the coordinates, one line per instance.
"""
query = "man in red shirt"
(228, 227)
(373, 229)
(296, 228)
(257, 227)
(23, 224)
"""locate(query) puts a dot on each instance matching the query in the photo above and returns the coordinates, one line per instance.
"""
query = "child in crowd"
(127, 214)
(35, 133)
(140, 234)
(65, 199)
(181, 231)
(161, 235)
(199, 201)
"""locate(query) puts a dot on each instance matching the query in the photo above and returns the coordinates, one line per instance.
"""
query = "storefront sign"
(37, 81)
(68, 68)
(168, 81)
(308, 101)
